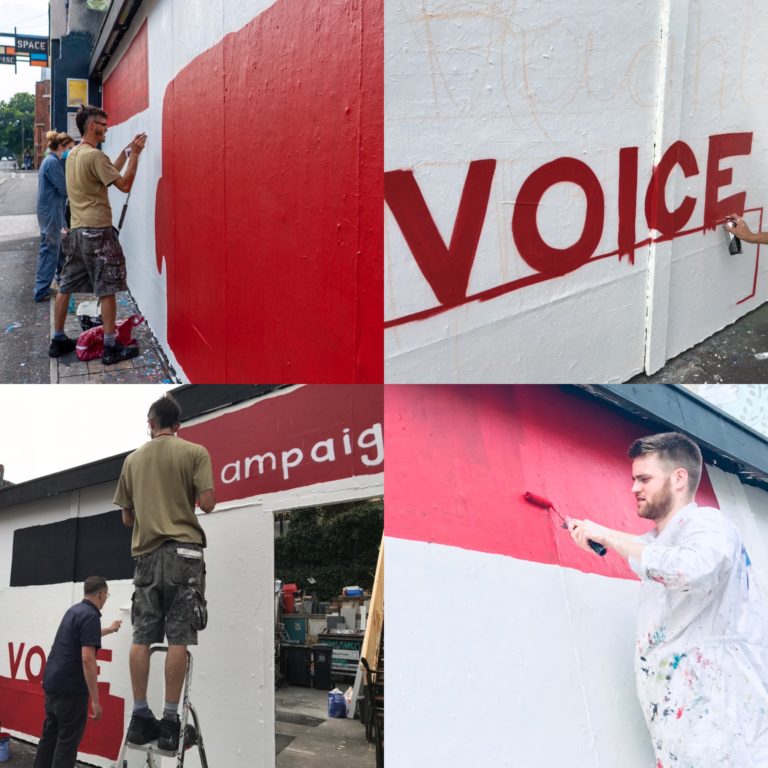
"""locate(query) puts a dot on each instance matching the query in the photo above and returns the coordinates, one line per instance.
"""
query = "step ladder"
(190, 733)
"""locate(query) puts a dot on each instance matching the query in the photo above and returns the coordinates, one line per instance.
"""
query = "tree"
(17, 120)
(337, 545)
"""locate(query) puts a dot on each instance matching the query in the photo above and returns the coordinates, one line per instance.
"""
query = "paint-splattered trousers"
(705, 708)
(94, 262)
(169, 596)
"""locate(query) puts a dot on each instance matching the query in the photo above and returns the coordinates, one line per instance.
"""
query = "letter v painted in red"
(15, 660)
(446, 270)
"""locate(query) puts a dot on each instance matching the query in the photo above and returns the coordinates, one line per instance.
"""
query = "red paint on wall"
(461, 458)
(272, 233)
(303, 420)
(447, 269)
(126, 90)
(627, 202)
(22, 704)
(657, 214)
(525, 229)
(722, 146)
(416, 222)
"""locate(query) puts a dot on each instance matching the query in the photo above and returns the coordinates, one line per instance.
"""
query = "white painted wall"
(233, 684)
(524, 83)
(512, 662)
(234, 658)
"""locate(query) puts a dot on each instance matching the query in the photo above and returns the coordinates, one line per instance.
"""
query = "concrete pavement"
(305, 737)
(736, 355)
(23, 756)
(26, 326)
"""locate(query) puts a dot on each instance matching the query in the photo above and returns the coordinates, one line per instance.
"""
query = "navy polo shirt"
(80, 626)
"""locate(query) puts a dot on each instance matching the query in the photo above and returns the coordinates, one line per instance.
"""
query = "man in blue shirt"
(70, 677)
(51, 204)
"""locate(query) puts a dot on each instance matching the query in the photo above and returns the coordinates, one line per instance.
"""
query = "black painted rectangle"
(71, 550)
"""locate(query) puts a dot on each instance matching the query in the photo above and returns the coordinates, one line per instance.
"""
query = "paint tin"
(5, 747)
(337, 707)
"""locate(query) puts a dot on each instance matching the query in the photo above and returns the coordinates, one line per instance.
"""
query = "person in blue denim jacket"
(51, 203)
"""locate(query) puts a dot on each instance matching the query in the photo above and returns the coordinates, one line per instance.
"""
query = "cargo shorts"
(169, 595)
(94, 262)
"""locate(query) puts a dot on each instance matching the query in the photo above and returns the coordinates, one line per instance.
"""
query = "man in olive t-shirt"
(157, 490)
(94, 260)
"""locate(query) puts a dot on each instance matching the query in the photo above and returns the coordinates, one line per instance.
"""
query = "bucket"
(5, 747)
(337, 707)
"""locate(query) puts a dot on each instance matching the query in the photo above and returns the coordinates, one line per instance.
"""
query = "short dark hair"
(94, 584)
(86, 113)
(165, 411)
(675, 450)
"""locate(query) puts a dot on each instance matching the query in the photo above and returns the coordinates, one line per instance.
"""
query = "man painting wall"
(701, 657)
(70, 677)
(157, 491)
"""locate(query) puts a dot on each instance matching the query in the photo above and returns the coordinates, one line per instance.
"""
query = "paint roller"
(540, 501)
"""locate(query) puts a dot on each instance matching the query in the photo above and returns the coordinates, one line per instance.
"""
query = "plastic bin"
(322, 656)
(298, 660)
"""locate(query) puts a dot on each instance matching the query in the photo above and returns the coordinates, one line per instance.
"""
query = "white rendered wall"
(234, 657)
(525, 83)
(233, 684)
(521, 663)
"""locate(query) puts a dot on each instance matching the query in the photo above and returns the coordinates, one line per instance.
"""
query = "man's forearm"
(129, 518)
(625, 544)
(91, 677)
(130, 171)
(120, 161)
(760, 238)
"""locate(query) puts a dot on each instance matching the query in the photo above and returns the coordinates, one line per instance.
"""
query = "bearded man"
(701, 657)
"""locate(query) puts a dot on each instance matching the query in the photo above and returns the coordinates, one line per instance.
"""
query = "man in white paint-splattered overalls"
(702, 635)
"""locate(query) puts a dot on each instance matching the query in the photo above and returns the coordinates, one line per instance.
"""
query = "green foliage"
(337, 545)
(17, 111)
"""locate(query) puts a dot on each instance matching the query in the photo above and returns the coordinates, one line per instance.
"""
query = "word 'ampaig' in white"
(370, 443)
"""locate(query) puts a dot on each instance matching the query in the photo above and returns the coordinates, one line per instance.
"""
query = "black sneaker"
(168, 739)
(142, 730)
(117, 353)
(61, 347)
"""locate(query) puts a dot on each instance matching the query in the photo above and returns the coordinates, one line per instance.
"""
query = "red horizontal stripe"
(460, 459)
(126, 90)
(294, 420)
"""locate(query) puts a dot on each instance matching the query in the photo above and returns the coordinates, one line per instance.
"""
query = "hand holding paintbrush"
(584, 532)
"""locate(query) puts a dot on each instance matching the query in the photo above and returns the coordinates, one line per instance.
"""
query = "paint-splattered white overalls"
(702, 648)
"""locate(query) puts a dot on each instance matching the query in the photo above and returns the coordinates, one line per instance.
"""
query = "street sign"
(32, 44)
(30, 48)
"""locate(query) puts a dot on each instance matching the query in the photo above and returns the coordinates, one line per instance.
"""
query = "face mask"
(64, 154)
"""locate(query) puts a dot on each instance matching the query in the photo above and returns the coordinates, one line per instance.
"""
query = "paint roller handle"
(598, 549)
(595, 546)
(122, 216)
